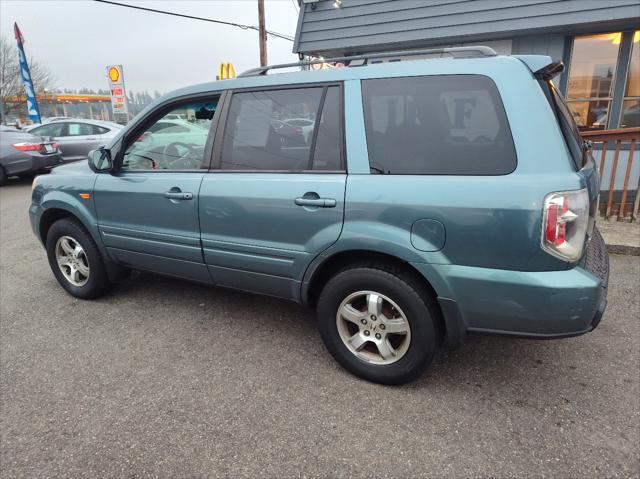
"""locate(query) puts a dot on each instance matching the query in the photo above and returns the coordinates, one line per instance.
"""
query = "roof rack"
(361, 60)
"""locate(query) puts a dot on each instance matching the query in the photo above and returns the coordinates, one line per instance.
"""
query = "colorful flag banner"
(32, 103)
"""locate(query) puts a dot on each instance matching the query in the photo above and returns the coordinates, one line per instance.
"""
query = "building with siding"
(598, 40)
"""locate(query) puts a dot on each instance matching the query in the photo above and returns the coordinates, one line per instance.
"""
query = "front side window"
(437, 125)
(276, 130)
(591, 77)
(171, 142)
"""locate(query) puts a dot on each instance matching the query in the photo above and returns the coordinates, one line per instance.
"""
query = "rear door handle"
(317, 202)
(178, 195)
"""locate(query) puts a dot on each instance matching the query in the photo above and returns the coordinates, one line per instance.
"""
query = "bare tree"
(11, 85)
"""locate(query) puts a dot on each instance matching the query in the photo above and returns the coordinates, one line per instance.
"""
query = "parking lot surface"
(163, 378)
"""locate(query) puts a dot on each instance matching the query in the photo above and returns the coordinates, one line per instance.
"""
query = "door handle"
(317, 202)
(178, 195)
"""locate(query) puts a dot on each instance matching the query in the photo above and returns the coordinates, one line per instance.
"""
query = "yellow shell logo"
(114, 74)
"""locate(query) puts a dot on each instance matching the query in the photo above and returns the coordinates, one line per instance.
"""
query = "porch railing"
(622, 196)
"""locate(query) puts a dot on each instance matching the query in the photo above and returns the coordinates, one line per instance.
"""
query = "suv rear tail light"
(564, 224)
(28, 146)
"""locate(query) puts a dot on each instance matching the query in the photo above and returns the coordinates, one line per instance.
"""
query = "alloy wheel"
(72, 261)
(373, 327)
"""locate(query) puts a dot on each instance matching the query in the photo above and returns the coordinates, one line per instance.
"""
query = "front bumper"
(545, 305)
(34, 219)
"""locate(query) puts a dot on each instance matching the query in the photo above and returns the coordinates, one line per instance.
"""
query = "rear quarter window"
(437, 125)
(566, 122)
(99, 130)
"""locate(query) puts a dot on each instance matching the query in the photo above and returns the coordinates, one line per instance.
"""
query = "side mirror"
(100, 160)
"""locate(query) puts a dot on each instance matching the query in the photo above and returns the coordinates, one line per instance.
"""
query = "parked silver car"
(77, 137)
(23, 154)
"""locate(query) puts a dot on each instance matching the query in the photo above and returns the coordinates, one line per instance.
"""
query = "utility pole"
(262, 33)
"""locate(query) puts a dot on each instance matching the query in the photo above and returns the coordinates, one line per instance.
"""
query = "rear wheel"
(378, 323)
(76, 261)
(3, 177)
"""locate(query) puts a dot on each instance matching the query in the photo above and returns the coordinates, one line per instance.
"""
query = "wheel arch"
(57, 211)
(330, 265)
(448, 317)
(49, 217)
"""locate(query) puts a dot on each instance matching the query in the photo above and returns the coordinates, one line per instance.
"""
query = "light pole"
(262, 33)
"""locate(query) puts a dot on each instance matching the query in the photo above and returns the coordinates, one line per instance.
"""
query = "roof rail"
(455, 52)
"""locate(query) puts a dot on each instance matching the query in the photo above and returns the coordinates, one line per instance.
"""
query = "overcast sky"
(77, 39)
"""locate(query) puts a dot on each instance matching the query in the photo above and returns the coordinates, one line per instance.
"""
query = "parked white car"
(77, 137)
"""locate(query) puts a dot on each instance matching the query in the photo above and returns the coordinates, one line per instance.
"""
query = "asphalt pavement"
(163, 378)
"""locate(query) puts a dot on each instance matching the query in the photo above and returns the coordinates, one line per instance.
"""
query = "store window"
(630, 117)
(591, 78)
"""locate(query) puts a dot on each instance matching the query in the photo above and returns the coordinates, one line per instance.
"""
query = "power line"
(295, 6)
(222, 22)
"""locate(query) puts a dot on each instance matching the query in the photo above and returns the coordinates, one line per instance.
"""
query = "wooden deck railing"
(617, 140)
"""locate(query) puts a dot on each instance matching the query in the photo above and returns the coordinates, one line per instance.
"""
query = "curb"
(623, 249)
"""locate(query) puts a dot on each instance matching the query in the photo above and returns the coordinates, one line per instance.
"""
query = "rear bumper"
(31, 163)
(544, 305)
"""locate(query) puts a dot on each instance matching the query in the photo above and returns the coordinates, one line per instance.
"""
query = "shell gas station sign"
(118, 93)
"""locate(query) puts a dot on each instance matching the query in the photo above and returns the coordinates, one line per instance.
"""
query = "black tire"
(3, 177)
(98, 282)
(413, 299)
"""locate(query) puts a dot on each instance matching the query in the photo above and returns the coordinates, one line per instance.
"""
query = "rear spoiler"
(542, 66)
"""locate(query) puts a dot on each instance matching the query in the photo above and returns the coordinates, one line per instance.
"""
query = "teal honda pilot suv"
(428, 199)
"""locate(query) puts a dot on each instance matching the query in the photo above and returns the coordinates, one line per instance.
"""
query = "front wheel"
(76, 261)
(378, 323)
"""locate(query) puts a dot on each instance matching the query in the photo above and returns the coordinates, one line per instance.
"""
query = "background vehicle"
(303, 125)
(176, 116)
(422, 209)
(24, 154)
(54, 118)
(631, 115)
(289, 135)
(168, 143)
(77, 137)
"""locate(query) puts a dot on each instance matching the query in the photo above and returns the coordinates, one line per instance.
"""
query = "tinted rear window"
(437, 125)
(567, 124)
